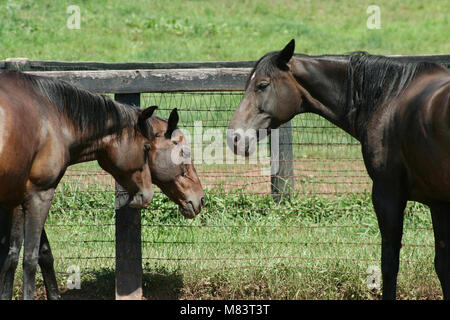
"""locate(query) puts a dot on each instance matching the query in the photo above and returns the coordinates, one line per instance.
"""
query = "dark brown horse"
(177, 179)
(45, 126)
(400, 113)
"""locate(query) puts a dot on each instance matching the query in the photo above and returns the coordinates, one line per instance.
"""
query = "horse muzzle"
(141, 199)
(192, 207)
(242, 143)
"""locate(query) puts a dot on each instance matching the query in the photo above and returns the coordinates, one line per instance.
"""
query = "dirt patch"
(311, 176)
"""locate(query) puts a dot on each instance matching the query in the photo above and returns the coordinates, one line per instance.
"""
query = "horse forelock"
(266, 65)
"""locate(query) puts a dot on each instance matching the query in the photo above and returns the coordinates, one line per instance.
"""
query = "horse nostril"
(237, 137)
(202, 201)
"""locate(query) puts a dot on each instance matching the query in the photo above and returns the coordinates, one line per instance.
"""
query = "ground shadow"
(100, 285)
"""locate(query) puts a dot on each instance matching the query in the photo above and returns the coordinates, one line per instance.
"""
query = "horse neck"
(87, 150)
(325, 82)
(85, 146)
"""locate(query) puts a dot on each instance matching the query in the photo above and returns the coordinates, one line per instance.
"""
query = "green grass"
(217, 30)
(241, 247)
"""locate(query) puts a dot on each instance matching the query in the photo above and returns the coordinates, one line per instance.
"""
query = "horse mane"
(92, 114)
(374, 79)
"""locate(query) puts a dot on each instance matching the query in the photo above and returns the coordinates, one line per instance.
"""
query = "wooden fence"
(127, 81)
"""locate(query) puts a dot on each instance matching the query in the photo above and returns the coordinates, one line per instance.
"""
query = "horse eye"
(262, 85)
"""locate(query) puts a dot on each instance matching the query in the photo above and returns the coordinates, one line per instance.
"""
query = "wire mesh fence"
(332, 229)
(340, 169)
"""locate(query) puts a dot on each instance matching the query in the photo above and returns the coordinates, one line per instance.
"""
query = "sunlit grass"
(217, 30)
(241, 246)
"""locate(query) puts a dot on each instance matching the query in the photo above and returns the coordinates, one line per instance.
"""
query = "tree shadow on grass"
(159, 284)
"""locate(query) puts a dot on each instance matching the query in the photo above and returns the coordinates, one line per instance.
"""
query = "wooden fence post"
(128, 236)
(282, 163)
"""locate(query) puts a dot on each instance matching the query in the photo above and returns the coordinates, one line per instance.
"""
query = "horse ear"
(147, 112)
(172, 123)
(144, 126)
(285, 55)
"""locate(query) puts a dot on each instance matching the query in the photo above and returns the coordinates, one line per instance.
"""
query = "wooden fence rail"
(154, 80)
(46, 65)
(127, 81)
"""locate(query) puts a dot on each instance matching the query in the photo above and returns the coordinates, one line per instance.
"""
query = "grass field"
(217, 30)
(243, 245)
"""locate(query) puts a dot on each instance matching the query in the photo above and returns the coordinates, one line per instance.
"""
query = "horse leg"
(441, 225)
(7, 272)
(389, 203)
(36, 206)
(5, 231)
(48, 272)
(11, 238)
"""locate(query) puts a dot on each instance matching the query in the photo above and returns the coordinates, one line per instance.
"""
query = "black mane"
(92, 114)
(373, 79)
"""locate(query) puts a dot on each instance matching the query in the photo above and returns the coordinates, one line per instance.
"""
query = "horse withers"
(47, 125)
(399, 111)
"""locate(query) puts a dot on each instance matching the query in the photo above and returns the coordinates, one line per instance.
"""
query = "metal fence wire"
(327, 163)
(313, 139)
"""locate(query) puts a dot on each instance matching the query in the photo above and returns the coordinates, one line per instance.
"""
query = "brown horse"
(177, 179)
(45, 126)
(171, 166)
(400, 113)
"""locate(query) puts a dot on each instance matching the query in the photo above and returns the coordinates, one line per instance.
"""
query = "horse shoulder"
(18, 144)
(425, 112)
(439, 106)
(381, 144)
(51, 158)
(426, 139)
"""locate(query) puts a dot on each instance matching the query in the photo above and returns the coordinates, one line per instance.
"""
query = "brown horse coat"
(45, 126)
